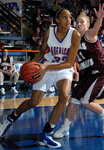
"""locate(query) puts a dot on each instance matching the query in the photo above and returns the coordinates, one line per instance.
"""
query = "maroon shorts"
(7, 77)
(89, 88)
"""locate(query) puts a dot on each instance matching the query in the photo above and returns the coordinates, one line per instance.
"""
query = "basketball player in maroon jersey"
(7, 72)
(91, 60)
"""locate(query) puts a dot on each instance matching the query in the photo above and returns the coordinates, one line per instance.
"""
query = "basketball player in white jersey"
(56, 57)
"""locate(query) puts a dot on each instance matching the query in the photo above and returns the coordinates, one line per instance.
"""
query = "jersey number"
(58, 59)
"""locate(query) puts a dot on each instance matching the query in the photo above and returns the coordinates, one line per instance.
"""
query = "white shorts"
(50, 78)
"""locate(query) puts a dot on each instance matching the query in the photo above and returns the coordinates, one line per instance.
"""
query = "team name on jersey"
(5, 64)
(83, 46)
(59, 50)
(87, 63)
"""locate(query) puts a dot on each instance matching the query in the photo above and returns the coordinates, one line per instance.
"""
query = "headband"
(58, 12)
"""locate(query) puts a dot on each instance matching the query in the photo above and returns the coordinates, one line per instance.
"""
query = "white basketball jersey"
(57, 51)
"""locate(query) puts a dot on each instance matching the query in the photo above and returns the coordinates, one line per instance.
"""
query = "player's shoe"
(52, 89)
(13, 90)
(63, 132)
(46, 140)
(2, 91)
(5, 126)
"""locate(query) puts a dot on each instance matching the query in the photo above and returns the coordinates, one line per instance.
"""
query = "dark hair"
(58, 12)
(4, 49)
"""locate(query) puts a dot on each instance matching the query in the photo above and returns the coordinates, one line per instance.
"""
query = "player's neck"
(61, 32)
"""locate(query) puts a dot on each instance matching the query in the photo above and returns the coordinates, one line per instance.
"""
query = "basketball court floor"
(86, 131)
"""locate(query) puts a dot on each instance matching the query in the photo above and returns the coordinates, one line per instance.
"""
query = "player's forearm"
(38, 57)
(97, 26)
(64, 65)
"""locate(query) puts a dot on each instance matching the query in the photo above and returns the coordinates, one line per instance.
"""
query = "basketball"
(27, 72)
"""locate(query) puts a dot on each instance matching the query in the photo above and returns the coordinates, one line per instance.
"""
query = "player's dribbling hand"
(41, 72)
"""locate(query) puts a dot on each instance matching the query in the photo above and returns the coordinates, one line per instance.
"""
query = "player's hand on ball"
(42, 71)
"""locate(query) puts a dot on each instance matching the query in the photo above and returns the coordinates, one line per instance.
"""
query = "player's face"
(5, 52)
(82, 25)
(64, 19)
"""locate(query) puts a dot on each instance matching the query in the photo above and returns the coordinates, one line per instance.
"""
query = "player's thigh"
(1, 75)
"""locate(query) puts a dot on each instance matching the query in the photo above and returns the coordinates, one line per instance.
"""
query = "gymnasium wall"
(14, 5)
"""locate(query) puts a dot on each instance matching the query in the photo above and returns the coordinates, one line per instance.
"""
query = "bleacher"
(14, 38)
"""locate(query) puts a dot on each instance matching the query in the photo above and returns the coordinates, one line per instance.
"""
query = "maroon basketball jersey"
(5, 64)
(91, 56)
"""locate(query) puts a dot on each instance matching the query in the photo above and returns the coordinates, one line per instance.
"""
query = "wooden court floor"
(86, 131)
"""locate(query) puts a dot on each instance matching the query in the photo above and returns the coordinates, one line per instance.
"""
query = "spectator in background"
(92, 21)
(92, 17)
(101, 35)
(36, 35)
(56, 6)
(73, 21)
(67, 4)
(91, 12)
(79, 7)
(7, 72)
(1, 45)
(37, 19)
(37, 46)
(79, 3)
(47, 4)
(75, 9)
(85, 9)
